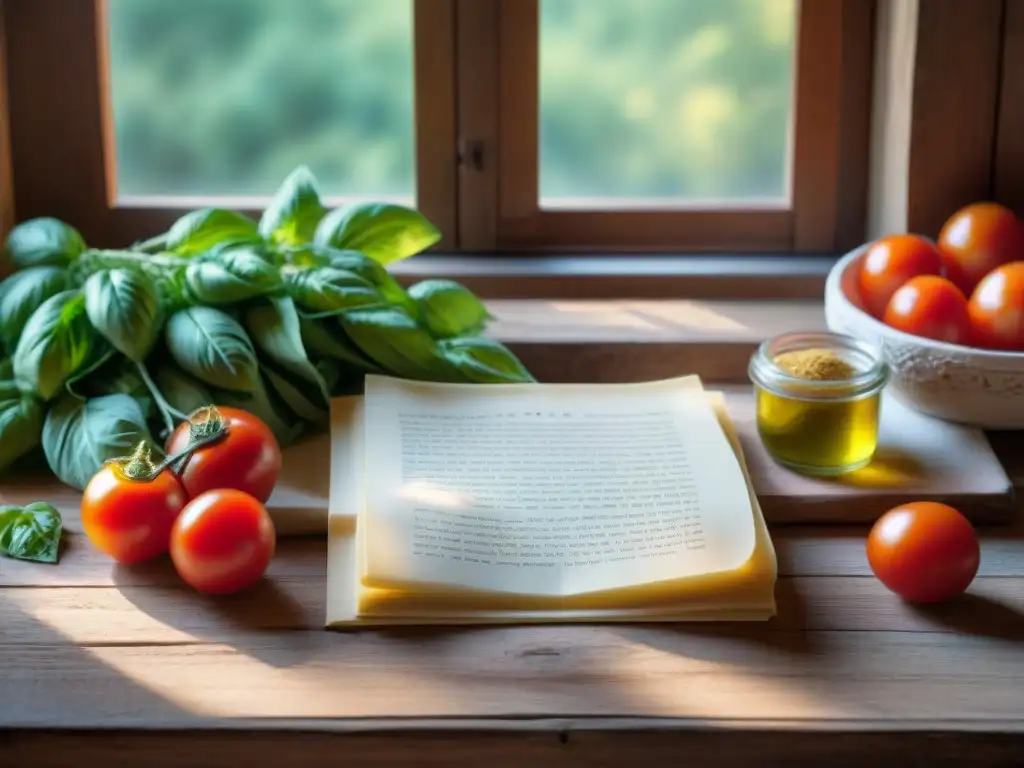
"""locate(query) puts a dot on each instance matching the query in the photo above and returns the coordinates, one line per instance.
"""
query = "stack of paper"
(542, 503)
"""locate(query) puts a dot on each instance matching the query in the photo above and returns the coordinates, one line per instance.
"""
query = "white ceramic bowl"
(948, 381)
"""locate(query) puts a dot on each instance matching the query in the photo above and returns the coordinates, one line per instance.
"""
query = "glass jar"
(819, 427)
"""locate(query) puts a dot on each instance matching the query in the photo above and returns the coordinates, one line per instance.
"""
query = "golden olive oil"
(819, 436)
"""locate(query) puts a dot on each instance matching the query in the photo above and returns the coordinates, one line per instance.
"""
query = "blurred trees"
(639, 97)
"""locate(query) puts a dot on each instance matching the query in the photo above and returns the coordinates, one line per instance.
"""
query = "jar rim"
(872, 370)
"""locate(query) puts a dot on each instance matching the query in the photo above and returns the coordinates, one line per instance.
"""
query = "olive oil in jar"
(818, 401)
(816, 436)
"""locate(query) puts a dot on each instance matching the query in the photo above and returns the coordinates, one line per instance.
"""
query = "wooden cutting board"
(919, 458)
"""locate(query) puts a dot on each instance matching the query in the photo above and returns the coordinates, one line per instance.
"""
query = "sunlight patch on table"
(667, 684)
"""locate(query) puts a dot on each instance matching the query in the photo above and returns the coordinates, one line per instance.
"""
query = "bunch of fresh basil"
(103, 348)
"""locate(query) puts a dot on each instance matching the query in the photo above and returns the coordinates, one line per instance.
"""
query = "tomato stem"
(207, 426)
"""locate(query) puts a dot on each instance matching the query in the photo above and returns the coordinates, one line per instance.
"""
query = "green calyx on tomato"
(206, 426)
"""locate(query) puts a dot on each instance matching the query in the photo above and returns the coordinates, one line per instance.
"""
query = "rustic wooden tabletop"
(125, 664)
(129, 666)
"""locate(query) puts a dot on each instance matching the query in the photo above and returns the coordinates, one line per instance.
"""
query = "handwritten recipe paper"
(538, 502)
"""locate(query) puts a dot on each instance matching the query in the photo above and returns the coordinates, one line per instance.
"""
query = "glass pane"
(665, 102)
(227, 97)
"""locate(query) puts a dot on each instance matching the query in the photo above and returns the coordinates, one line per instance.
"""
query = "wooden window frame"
(476, 83)
(63, 135)
(498, 87)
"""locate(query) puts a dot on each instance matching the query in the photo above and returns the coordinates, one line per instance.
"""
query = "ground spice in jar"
(815, 365)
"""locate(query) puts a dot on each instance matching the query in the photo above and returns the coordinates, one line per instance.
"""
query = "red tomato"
(977, 239)
(889, 263)
(222, 542)
(130, 520)
(924, 551)
(931, 307)
(997, 308)
(247, 459)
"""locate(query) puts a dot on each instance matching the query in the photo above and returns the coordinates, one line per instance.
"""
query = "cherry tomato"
(247, 459)
(931, 307)
(977, 239)
(996, 308)
(222, 542)
(889, 263)
(130, 520)
(924, 551)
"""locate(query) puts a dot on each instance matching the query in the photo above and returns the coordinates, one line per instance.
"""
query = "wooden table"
(125, 664)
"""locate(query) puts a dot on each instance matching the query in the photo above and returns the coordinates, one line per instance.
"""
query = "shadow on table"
(50, 680)
(242, 621)
(976, 615)
(783, 634)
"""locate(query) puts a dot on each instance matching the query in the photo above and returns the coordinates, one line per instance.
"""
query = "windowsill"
(628, 276)
(621, 340)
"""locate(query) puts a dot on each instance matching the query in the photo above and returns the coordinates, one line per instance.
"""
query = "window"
(226, 98)
(515, 125)
(653, 124)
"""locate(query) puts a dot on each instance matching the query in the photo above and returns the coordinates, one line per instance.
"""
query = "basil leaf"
(295, 211)
(449, 309)
(383, 231)
(326, 341)
(305, 400)
(80, 435)
(55, 342)
(20, 296)
(213, 347)
(484, 361)
(275, 330)
(199, 231)
(230, 277)
(261, 404)
(21, 423)
(124, 306)
(373, 272)
(31, 533)
(326, 289)
(181, 390)
(44, 241)
(393, 340)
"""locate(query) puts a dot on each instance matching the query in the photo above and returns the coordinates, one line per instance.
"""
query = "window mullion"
(435, 116)
(478, 33)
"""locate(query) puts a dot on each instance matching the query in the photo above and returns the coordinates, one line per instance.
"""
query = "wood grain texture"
(891, 117)
(858, 51)
(6, 172)
(816, 141)
(52, 49)
(434, 52)
(518, 37)
(802, 551)
(156, 658)
(539, 744)
(172, 614)
(955, 98)
(1009, 160)
(478, 87)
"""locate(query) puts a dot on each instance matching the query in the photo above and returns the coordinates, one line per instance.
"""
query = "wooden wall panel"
(6, 175)
(936, 99)
(956, 93)
(1009, 159)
